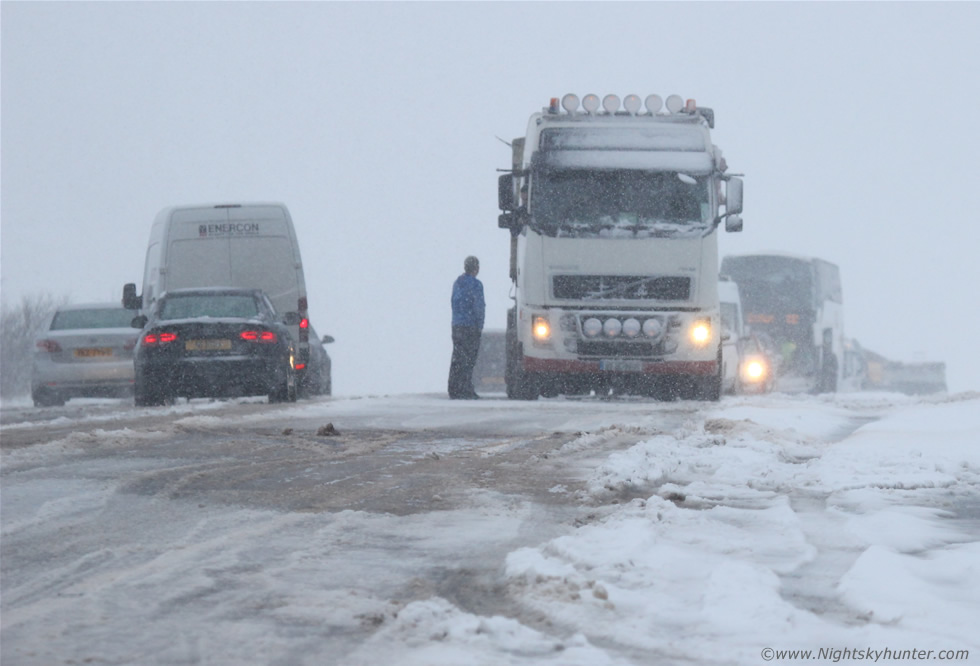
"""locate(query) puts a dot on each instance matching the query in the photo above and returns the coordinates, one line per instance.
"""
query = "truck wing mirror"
(733, 223)
(327, 339)
(733, 196)
(505, 192)
(139, 321)
(130, 300)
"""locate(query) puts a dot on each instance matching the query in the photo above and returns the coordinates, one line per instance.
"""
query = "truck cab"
(613, 216)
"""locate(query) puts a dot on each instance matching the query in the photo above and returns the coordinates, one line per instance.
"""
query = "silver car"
(87, 350)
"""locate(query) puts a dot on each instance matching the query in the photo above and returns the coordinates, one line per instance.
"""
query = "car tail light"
(159, 338)
(50, 346)
(259, 336)
(300, 366)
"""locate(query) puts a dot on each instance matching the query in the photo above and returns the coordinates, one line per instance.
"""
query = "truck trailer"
(613, 208)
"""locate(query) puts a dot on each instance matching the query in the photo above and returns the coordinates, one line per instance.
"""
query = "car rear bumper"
(213, 377)
(84, 379)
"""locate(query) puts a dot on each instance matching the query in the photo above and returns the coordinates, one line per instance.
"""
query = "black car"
(215, 342)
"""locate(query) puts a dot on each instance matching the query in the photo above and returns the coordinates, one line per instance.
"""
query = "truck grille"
(620, 287)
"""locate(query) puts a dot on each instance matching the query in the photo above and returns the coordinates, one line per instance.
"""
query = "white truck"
(249, 245)
(613, 214)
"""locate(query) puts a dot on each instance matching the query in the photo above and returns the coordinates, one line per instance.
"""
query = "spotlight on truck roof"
(570, 103)
(675, 103)
(590, 103)
(632, 103)
(654, 103)
(610, 103)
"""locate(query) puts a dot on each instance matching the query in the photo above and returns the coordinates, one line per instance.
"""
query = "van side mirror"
(327, 339)
(130, 300)
(139, 321)
(291, 319)
(505, 192)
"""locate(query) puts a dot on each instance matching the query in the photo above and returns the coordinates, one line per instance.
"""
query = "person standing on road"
(468, 311)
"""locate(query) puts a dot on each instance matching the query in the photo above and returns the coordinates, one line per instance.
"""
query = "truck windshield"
(618, 203)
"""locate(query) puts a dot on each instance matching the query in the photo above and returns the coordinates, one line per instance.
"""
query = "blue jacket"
(468, 305)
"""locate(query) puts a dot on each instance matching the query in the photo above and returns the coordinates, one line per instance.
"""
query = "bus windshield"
(618, 203)
(772, 285)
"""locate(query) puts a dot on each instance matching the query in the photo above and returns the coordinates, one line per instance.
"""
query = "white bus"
(798, 302)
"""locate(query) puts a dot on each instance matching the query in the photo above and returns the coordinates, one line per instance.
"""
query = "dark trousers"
(466, 345)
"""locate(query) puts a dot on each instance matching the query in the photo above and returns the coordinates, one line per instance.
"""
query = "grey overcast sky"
(855, 125)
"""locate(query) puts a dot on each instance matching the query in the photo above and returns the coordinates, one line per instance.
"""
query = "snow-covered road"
(493, 532)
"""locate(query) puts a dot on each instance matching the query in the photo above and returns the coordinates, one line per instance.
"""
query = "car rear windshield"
(190, 306)
(96, 318)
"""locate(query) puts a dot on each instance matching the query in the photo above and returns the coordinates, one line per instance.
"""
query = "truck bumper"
(578, 367)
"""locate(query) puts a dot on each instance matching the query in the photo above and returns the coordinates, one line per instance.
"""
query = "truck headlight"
(540, 328)
(701, 332)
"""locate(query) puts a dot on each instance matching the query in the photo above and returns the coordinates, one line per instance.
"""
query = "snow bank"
(729, 513)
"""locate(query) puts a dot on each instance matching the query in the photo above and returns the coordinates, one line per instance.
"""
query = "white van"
(732, 332)
(249, 245)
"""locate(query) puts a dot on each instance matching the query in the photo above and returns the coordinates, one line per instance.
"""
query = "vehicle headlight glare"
(591, 327)
(541, 328)
(701, 332)
(631, 327)
(612, 327)
(754, 370)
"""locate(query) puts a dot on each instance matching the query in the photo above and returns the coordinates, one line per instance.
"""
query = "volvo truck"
(613, 208)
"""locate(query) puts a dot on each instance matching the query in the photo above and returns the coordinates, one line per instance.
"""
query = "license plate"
(616, 365)
(207, 345)
(93, 352)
